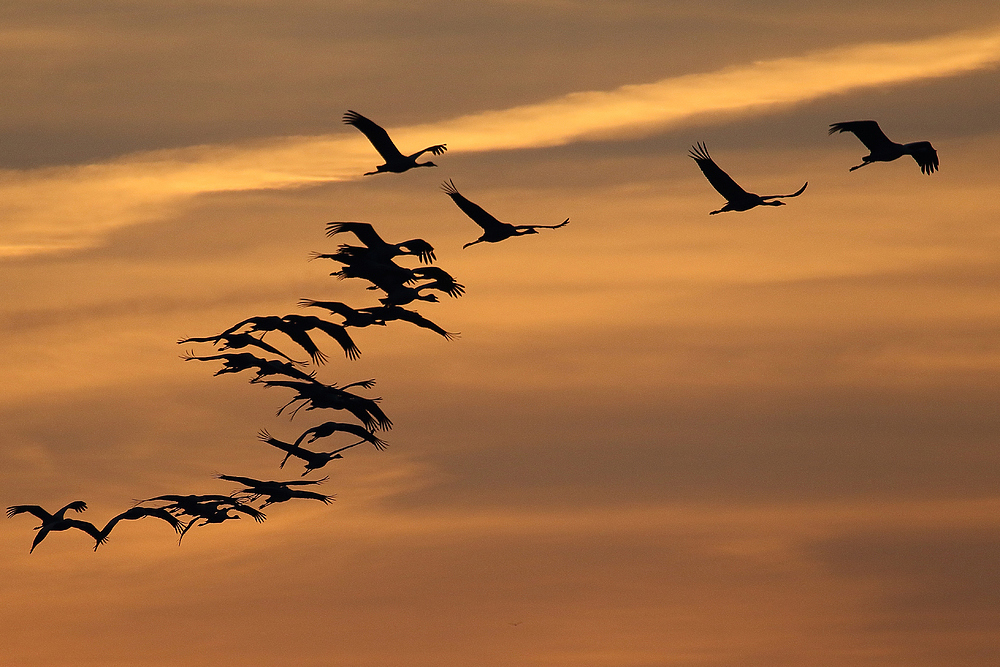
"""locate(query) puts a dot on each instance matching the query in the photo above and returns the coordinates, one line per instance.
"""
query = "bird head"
(426, 164)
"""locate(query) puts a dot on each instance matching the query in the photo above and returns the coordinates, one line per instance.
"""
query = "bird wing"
(925, 155)
(413, 317)
(794, 194)
(257, 515)
(362, 230)
(868, 131)
(296, 493)
(420, 248)
(719, 179)
(335, 307)
(248, 481)
(339, 334)
(474, 211)
(36, 510)
(302, 339)
(88, 528)
(378, 137)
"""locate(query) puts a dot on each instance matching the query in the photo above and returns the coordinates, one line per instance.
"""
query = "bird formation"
(376, 262)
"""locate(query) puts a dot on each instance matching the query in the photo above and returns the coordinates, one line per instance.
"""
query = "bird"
(242, 361)
(327, 429)
(737, 199)
(399, 294)
(316, 395)
(57, 521)
(377, 315)
(238, 341)
(493, 229)
(882, 149)
(276, 492)
(313, 460)
(139, 513)
(395, 161)
(378, 248)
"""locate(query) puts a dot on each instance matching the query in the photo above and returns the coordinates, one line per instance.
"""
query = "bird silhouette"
(237, 341)
(395, 161)
(242, 361)
(376, 315)
(737, 199)
(57, 521)
(276, 492)
(327, 429)
(493, 229)
(139, 513)
(882, 149)
(313, 460)
(316, 395)
(379, 249)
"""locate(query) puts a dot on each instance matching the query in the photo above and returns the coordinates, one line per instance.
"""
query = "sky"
(663, 438)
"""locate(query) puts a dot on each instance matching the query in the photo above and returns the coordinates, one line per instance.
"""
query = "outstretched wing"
(248, 481)
(868, 131)
(362, 230)
(474, 211)
(376, 135)
(925, 155)
(413, 317)
(35, 510)
(794, 194)
(719, 179)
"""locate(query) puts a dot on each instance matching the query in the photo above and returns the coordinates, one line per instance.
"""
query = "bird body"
(395, 162)
(737, 199)
(493, 230)
(883, 149)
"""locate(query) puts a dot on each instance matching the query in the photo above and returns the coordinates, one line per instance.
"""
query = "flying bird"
(377, 247)
(313, 460)
(395, 161)
(882, 149)
(238, 341)
(493, 229)
(139, 513)
(237, 362)
(376, 315)
(316, 395)
(276, 492)
(329, 428)
(57, 521)
(737, 199)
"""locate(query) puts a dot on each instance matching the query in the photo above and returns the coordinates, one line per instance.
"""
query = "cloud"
(73, 207)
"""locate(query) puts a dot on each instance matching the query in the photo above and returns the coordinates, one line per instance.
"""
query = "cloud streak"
(73, 207)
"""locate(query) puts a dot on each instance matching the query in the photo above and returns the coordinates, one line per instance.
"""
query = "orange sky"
(663, 438)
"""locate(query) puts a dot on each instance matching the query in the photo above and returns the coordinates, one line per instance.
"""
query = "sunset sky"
(663, 438)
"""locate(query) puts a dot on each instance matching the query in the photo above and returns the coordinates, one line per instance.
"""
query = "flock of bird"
(374, 261)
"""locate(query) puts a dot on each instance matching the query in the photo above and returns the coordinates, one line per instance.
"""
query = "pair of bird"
(494, 230)
(59, 522)
(881, 149)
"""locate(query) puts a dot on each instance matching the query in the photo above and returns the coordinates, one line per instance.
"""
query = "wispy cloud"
(72, 207)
